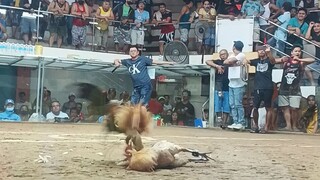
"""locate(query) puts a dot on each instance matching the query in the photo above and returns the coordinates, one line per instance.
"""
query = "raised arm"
(216, 66)
(308, 34)
(117, 62)
(154, 62)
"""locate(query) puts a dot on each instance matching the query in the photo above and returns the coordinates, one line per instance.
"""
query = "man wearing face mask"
(8, 114)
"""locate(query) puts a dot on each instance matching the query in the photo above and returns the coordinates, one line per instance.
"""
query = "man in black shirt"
(185, 109)
(228, 9)
(221, 93)
(263, 84)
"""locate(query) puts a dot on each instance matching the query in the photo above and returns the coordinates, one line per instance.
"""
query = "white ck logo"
(134, 69)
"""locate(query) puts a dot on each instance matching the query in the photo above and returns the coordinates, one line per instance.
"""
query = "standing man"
(221, 92)
(137, 67)
(263, 85)
(236, 87)
(289, 92)
(141, 17)
(167, 31)
(185, 109)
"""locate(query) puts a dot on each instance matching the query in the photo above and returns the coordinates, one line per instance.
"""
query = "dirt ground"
(86, 151)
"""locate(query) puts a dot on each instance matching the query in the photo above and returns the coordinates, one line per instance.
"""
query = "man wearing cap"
(70, 104)
(8, 114)
(263, 86)
(236, 86)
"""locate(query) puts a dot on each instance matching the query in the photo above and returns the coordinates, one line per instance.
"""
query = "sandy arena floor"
(85, 151)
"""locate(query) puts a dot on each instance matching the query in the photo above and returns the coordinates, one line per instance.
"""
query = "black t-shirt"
(290, 83)
(182, 110)
(263, 76)
(228, 9)
(222, 80)
(316, 37)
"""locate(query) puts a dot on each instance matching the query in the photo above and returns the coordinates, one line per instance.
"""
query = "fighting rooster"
(162, 155)
(129, 119)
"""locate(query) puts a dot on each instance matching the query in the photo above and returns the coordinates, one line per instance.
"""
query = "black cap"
(238, 45)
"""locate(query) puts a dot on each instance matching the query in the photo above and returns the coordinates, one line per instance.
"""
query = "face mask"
(10, 109)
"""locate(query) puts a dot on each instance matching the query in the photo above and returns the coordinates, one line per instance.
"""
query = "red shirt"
(155, 107)
(165, 29)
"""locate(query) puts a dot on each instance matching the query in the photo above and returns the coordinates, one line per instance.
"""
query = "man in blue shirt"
(8, 114)
(141, 17)
(137, 67)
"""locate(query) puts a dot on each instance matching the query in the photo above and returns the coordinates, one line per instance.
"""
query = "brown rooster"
(129, 119)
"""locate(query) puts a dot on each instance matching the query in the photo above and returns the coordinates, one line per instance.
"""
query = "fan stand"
(202, 48)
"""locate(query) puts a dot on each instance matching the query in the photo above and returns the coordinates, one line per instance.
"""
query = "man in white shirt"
(236, 86)
(56, 112)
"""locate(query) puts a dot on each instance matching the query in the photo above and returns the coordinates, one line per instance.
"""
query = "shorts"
(120, 34)
(28, 25)
(166, 38)
(141, 94)
(292, 101)
(59, 30)
(137, 37)
(221, 104)
(264, 95)
(209, 39)
(184, 35)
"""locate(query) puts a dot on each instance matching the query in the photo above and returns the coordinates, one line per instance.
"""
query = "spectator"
(79, 8)
(289, 92)
(263, 87)
(236, 87)
(22, 101)
(185, 109)
(184, 19)
(208, 14)
(313, 34)
(161, 100)
(137, 67)
(58, 22)
(309, 117)
(15, 17)
(280, 34)
(28, 24)
(167, 117)
(55, 112)
(239, 4)
(161, 17)
(112, 93)
(141, 17)
(46, 102)
(43, 21)
(221, 91)
(79, 109)
(298, 26)
(293, 12)
(270, 12)
(70, 104)
(125, 98)
(280, 3)
(175, 120)
(24, 113)
(125, 14)
(310, 5)
(104, 14)
(3, 30)
(74, 115)
(228, 9)
(167, 106)
(253, 8)
(155, 107)
(8, 114)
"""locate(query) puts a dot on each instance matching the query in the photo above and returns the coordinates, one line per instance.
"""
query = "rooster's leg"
(135, 137)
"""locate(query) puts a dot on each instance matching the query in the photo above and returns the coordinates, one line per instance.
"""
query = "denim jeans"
(235, 100)
(278, 44)
(141, 94)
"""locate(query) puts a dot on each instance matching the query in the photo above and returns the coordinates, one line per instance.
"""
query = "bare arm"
(74, 10)
(183, 10)
(231, 60)
(308, 34)
(276, 11)
(117, 62)
(216, 66)
(51, 7)
(154, 62)
(66, 8)
(315, 127)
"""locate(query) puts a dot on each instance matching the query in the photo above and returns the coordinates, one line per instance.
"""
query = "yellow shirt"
(17, 2)
(101, 22)
(207, 15)
(312, 123)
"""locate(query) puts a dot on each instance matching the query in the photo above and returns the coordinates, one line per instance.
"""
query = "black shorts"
(264, 95)
(167, 38)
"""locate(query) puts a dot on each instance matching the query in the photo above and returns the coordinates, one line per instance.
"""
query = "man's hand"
(220, 69)
(231, 17)
(117, 63)
(268, 49)
(296, 58)
(124, 21)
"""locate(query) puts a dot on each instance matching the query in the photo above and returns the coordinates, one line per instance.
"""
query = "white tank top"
(266, 14)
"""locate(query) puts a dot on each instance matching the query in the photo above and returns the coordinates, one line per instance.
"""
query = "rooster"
(162, 155)
(129, 119)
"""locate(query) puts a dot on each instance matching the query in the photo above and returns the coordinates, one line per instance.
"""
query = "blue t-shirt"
(138, 70)
(9, 116)
(6, 2)
(252, 8)
(295, 23)
(279, 3)
(141, 16)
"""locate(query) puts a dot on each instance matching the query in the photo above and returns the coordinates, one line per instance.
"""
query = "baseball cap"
(72, 94)
(161, 98)
(238, 45)
(9, 101)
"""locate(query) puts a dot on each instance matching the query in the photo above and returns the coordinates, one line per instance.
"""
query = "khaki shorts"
(137, 37)
(292, 101)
